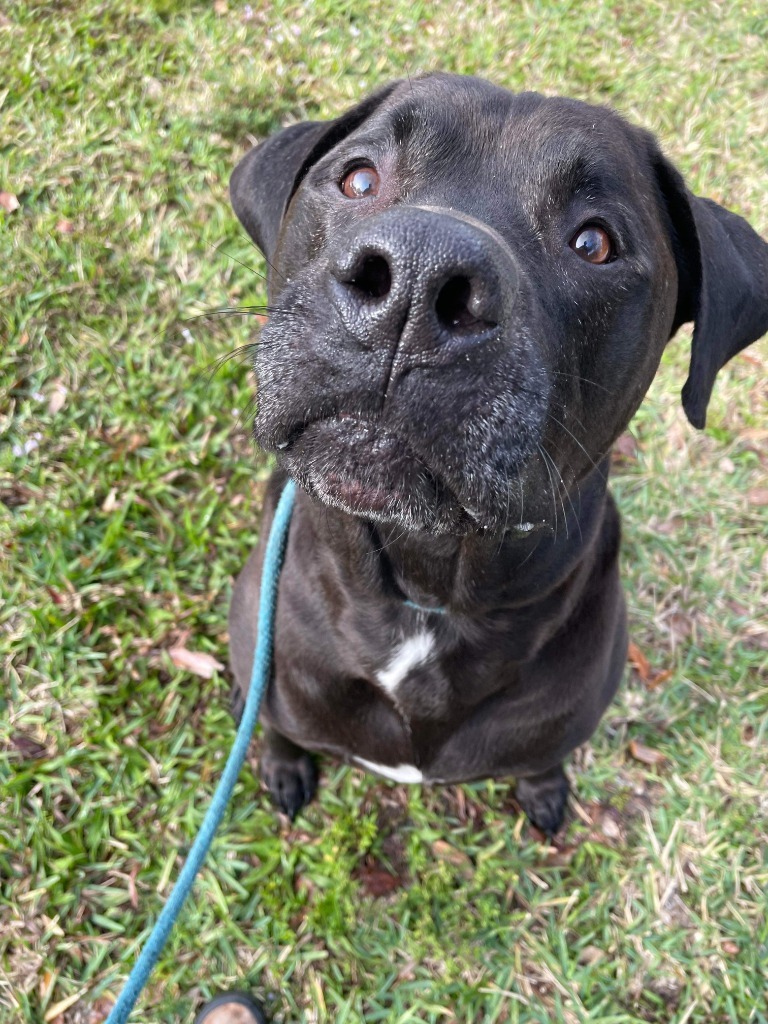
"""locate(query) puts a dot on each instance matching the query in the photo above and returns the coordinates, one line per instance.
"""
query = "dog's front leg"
(543, 798)
(288, 771)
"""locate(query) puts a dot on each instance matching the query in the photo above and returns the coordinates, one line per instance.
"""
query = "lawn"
(130, 494)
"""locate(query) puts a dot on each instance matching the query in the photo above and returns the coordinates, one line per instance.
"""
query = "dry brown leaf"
(9, 202)
(661, 677)
(639, 662)
(57, 399)
(456, 858)
(28, 747)
(625, 449)
(197, 662)
(641, 665)
(96, 1013)
(590, 955)
(110, 502)
(645, 755)
(376, 880)
(99, 1011)
(559, 856)
(667, 527)
(758, 496)
(754, 360)
(47, 981)
(63, 1005)
(13, 494)
(679, 624)
(610, 827)
(756, 636)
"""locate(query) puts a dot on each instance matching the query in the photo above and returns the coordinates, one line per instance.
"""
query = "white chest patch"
(414, 651)
(397, 772)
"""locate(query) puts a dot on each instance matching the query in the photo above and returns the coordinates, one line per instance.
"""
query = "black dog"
(470, 292)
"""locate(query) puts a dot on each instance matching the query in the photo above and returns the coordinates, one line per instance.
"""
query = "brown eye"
(593, 244)
(360, 183)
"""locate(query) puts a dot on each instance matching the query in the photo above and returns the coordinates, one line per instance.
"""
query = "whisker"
(559, 491)
(506, 517)
(585, 380)
(533, 550)
(552, 488)
(568, 496)
(571, 434)
(234, 259)
(255, 310)
(266, 259)
(271, 265)
(240, 353)
(249, 410)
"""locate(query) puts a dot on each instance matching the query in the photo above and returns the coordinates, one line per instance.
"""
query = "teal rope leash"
(262, 663)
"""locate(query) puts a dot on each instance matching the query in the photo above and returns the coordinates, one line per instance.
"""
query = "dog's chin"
(364, 470)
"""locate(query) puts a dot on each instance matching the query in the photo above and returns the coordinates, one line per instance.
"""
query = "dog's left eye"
(593, 244)
(360, 183)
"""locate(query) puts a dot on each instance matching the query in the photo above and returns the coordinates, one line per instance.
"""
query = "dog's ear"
(263, 183)
(722, 284)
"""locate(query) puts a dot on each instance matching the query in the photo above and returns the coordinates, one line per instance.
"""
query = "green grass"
(121, 530)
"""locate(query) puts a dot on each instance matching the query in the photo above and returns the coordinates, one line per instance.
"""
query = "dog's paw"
(291, 781)
(544, 800)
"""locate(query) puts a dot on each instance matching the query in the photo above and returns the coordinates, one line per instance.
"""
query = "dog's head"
(470, 292)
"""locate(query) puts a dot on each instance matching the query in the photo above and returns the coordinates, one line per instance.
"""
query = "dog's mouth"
(362, 468)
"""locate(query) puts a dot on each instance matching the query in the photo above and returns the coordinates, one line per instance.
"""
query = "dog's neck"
(470, 574)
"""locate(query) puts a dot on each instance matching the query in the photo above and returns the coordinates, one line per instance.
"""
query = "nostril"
(453, 305)
(373, 278)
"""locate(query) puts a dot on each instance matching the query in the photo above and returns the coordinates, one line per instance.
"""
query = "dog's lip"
(376, 497)
(362, 497)
(363, 423)
(294, 433)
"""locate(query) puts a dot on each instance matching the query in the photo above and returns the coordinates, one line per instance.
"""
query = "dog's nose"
(429, 275)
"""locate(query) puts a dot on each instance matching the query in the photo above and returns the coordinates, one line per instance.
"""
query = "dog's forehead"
(449, 121)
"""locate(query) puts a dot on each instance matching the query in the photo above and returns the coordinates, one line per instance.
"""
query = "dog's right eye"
(593, 244)
(360, 183)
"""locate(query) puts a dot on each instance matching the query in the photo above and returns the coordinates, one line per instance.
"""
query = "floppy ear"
(263, 183)
(265, 179)
(722, 284)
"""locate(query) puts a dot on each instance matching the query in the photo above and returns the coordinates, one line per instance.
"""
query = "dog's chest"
(412, 674)
(411, 678)
(407, 658)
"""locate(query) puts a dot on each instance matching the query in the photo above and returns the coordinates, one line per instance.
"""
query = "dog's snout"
(428, 277)
(367, 278)
(464, 304)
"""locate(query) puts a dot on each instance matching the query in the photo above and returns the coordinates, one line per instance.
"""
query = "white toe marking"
(412, 652)
(398, 772)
